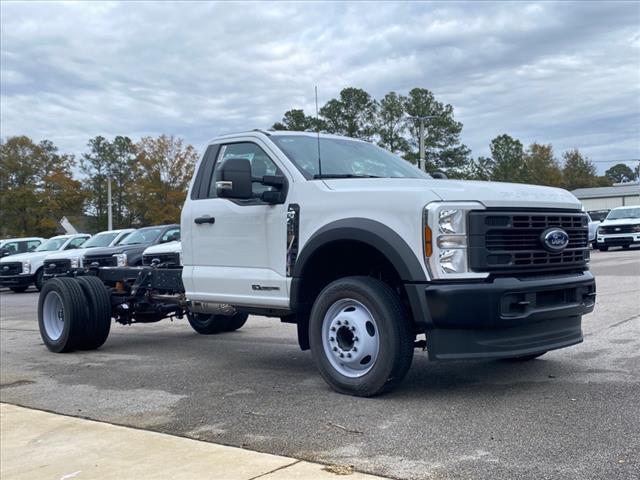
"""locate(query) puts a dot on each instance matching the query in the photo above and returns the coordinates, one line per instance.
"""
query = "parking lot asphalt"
(574, 413)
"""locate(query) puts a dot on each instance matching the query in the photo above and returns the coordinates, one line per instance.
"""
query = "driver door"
(238, 247)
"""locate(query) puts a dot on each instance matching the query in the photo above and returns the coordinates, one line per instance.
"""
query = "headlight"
(26, 266)
(446, 239)
(121, 259)
(76, 262)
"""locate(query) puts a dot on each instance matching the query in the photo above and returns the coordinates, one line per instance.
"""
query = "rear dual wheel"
(74, 314)
(213, 324)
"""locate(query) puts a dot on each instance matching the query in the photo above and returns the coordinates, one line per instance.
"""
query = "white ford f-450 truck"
(367, 255)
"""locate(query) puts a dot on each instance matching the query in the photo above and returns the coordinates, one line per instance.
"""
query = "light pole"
(421, 161)
(109, 207)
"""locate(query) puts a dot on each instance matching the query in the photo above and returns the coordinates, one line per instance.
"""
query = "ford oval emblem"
(555, 239)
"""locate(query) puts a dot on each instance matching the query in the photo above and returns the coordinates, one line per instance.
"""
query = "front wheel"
(603, 249)
(360, 336)
(19, 289)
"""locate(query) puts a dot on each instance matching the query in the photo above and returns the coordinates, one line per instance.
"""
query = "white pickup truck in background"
(367, 255)
(20, 271)
(621, 228)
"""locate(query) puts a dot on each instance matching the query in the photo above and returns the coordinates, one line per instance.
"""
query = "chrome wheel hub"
(350, 338)
(53, 315)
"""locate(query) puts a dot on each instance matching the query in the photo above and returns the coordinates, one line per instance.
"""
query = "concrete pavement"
(41, 445)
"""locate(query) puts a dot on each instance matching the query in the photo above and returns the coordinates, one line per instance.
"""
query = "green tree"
(391, 124)
(541, 167)
(95, 165)
(109, 159)
(36, 187)
(621, 173)
(507, 154)
(163, 169)
(578, 171)
(480, 169)
(296, 120)
(443, 148)
(352, 115)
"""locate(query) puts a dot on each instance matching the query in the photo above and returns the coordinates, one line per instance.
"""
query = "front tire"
(603, 249)
(19, 289)
(360, 336)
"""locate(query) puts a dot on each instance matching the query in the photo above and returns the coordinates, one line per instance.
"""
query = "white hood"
(620, 221)
(490, 194)
(169, 247)
(33, 257)
(75, 252)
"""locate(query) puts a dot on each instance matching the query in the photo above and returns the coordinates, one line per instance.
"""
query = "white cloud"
(565, 73)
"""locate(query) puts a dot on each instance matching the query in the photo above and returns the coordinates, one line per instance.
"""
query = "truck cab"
(364, 252)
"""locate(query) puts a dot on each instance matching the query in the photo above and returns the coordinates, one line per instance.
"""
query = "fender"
(367, 231)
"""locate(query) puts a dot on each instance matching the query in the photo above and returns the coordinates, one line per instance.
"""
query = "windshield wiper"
(344, 175)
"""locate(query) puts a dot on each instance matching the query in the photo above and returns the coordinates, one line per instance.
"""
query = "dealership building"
(606, 198)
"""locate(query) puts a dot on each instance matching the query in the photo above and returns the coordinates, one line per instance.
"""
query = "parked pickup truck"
(13, 246)
(62, 262)
(164, 254)
(367, 255)
(20, 271)
(129, 251)
(621, 228)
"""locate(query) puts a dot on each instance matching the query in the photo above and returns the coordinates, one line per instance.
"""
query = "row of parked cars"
(31, 261)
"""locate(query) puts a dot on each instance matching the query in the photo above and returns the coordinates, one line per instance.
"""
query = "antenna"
(318, 130)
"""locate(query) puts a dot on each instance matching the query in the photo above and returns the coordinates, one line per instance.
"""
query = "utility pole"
(109, 207)
(422, 165)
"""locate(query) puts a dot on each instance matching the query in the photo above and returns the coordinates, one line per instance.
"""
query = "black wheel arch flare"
(367, 231)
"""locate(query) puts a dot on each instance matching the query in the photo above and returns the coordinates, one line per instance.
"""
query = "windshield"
(624, 213)
(51, 245)
(343, 158)
(142, 236)
(100, 240)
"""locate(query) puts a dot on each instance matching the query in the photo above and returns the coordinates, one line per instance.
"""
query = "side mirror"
(234, 179)
(439, 175)
(278, 194)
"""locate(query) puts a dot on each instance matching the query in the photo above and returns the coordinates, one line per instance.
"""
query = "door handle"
(201, 220)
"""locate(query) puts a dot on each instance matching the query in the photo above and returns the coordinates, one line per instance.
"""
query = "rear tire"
(39, 280)
(62, 313)
(99, 320)
(603, 249)
(19, 289)
(626, 247)
(360, 336)
(236, 322)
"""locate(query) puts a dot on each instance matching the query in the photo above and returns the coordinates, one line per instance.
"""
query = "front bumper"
(16, 280)
(618, 239)
(504, 317)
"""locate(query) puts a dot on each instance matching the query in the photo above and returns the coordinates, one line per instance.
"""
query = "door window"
(32, 245)
(172, 235)
(10, 248)
(76, 243)
(261, 165)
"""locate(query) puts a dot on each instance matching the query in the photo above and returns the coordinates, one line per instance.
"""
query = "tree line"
(150, 177)
(149, 180)
(392, 123)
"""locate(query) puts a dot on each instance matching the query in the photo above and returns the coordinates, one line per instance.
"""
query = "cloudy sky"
(560, 73)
